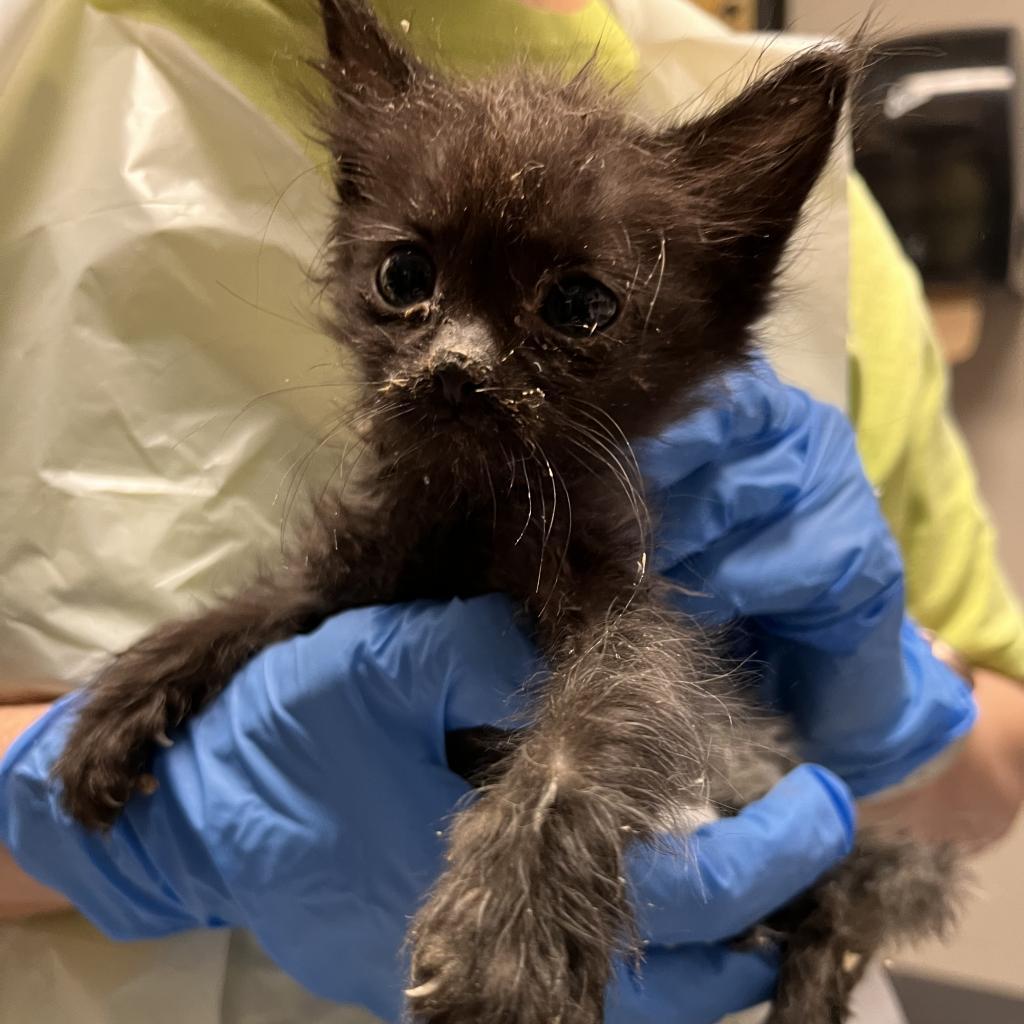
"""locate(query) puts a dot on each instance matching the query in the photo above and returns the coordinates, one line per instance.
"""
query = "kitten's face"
(524, 266)
(517, 264)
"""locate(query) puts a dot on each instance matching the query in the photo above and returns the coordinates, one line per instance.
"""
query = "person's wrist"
(1004, 706)
(975, 798)
(950, 656)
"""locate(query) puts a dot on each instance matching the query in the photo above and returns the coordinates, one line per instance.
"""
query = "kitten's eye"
(406, 277)
(579, 305)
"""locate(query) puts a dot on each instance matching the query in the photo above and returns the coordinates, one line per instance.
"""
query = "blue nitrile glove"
(767, 517)
(694, 895)
(306, 804)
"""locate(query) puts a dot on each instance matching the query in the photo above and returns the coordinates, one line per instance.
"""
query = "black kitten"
(531, 279)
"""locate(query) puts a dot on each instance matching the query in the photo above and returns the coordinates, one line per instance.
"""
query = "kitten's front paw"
(471, 963)
(514, 932)
(107, 754)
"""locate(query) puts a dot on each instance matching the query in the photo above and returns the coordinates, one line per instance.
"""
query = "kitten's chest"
(572, 559)
(553, 571)
(448, 560)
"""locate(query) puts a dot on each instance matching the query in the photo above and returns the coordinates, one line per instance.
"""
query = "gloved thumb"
(727, 876)
(490, 660)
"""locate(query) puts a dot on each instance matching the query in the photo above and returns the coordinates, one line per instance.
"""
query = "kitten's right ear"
(365, 62)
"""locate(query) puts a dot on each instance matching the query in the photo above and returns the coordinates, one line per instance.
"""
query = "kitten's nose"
(455, 383)
(461, 356)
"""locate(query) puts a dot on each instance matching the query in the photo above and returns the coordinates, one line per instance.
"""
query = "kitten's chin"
(460, 431)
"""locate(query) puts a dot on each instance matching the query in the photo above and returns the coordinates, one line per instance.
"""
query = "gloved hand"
(692, 896)
(307, 803)
(766, 516)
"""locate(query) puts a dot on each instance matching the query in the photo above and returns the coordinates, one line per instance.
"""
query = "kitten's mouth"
(464, 405)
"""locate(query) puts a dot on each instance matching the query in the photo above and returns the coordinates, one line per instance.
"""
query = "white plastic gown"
(159, 388)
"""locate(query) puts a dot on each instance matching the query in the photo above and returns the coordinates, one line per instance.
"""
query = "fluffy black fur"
(498, 458)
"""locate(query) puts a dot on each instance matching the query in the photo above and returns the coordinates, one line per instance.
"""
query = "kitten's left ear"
(365, 61)
(751, 165)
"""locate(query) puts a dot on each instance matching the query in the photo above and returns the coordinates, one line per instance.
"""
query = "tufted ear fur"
(368, 74)
(751, 165)
(365, 59)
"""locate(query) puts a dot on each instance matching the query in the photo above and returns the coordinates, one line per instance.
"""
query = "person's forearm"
(14, 720)
(20, 895)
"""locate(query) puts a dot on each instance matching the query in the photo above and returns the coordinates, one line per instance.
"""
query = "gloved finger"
(781, 526)
(732, 873)
(450, 665)
(878, 714)
(742, 408)
(483, 658)
(697, 984)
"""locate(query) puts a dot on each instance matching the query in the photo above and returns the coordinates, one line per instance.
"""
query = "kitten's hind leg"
(889, 891)
(816, 977)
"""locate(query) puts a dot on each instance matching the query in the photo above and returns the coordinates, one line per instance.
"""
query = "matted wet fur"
(592, 277)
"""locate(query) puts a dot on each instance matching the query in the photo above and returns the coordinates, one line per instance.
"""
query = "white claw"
(428, 988)
(163, 739)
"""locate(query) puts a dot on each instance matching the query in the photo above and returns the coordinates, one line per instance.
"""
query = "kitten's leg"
(818, 972)
(159, 682)
(889, 891)
(523, 926)
(176, 670)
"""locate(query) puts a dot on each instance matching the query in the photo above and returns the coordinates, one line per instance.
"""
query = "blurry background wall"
(989, 402)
